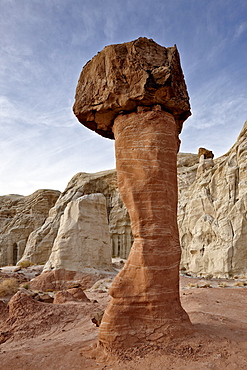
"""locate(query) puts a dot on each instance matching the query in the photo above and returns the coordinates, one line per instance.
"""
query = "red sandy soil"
(37, 335)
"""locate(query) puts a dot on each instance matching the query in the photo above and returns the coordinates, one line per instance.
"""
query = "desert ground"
(39, 335)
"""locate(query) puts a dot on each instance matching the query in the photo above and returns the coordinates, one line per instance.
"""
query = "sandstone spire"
(136, 93)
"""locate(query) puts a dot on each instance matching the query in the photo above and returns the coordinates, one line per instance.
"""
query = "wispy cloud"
(241, 28)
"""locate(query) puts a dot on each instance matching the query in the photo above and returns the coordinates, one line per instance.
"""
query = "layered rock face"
(212, 215)
(19, 216)
(83, 239)
(144, 82)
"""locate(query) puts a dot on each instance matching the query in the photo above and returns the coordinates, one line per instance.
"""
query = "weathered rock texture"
(19, 216)
(119, 226)
(83, 239)
(144, 82)
(212, 214)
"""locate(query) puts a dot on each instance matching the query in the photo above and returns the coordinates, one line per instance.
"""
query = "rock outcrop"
(83, 239)
(136, 93)
(119, 226)
(19, 216)
(206, 153)
(212, 214)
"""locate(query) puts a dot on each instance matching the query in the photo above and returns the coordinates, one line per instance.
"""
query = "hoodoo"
(135, 93)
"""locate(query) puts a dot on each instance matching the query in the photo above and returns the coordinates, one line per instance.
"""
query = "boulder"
(70, 295)
(205, 152)
(97, 318)
(124, 76)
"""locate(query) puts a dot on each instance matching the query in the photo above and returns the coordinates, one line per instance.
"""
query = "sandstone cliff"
(212, 214)
(19, 216)
(40, 242)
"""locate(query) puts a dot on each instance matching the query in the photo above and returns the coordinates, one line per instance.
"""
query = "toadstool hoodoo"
(135, 93)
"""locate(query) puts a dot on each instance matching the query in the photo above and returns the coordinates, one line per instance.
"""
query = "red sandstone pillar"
(145, 305)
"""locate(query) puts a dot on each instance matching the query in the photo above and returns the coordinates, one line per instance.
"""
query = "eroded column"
(145, 304)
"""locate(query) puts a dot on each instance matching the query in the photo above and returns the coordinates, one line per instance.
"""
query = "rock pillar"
(135, 93)
(145, 305)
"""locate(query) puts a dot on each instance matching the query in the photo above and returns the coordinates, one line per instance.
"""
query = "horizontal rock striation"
(145, 305)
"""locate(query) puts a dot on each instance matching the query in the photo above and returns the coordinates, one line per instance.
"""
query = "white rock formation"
(40, 242)
(83, 239)
(212, 214)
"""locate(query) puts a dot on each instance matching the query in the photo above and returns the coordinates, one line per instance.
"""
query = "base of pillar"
(125, 326)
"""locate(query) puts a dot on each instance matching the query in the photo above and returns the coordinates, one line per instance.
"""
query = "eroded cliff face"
(19, 216)
(212, 214)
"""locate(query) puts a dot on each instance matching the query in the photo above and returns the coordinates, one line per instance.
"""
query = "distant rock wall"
(212, 214)
(19, 216)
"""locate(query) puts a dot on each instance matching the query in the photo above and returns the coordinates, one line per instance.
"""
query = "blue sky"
(44, 45)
